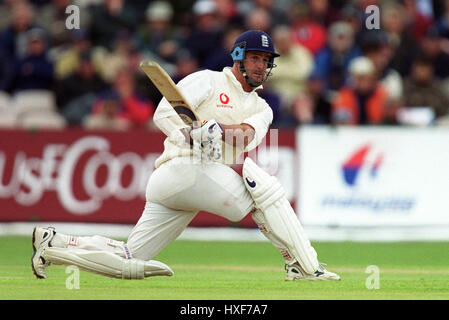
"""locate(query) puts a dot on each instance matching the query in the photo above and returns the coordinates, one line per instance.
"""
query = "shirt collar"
(227, 71)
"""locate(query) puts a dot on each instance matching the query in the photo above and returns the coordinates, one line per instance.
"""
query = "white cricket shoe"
(41, 240)
(295, 273)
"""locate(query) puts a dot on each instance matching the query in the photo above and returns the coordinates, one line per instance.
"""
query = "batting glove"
(210, 132)
(209, 139)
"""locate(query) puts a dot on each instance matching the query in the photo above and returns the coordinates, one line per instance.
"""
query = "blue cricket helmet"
(252, 40)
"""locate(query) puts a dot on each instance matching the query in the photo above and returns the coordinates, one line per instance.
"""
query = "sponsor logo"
(265, 42)
(82, 175)
(224, 99)
(357, 160)
(251, 182)
(212, 128)
(358, 172)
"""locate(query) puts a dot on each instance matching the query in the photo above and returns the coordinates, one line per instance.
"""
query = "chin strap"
(243, 71)
(247, 79)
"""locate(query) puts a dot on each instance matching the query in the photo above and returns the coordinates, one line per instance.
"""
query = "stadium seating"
(37, 109)
(7, 115)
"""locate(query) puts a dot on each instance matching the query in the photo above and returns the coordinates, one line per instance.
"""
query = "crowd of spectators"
(333, 68)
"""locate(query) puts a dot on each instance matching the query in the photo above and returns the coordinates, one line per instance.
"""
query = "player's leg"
(293, 266)
(107, 263)
(279, 223)
(157, 227)
(211, 187)
(176, 191)
(95, 254)
(41, 238)
(219, 189)
(92, 243)
(44, 238)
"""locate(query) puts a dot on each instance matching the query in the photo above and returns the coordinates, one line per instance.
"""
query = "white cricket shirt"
(214, 95)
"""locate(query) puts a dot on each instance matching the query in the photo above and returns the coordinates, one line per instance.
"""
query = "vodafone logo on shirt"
(224, 99)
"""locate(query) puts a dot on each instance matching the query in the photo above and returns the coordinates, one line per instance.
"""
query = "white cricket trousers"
(175, 192)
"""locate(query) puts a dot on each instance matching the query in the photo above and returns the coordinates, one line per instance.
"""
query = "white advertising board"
(373, 176)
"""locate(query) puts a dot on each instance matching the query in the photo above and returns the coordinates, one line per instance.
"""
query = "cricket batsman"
(193, 174)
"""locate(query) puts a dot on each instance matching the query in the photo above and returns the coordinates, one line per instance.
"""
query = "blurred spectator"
(431, 46)
(138, 8)
(157, 36)
(108, 19)
(363, 101)
(426, 8)
(207, 32)
(355, 16)
(71, 92)
(277, 16)
(135, 57)
(312, 107)
(404, 46)
(186, 64)
(34, 70)
(185, 36)
(305, 30)
(228, 12)
(6, 70)
(88, 3)
(221, 56)
(258, 19)
(443, 21)
(106, 117)
(121, 107)
(418, 22)
(323, 12)
(52, 17)
(332, 62)
(375, 46)
(422, 88)
(68, 58)
(13, 38)
(111, 61)
(5, 12)
(294, 65)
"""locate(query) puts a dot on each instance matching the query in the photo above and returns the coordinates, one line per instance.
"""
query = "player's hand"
(210, 132)
(208, 138)
(181, 137)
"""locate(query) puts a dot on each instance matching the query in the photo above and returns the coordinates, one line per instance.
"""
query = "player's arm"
(260, 123)
(195, 88)
(250, 132)
(238, 135)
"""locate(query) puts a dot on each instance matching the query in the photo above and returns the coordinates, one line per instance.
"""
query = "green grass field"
(242, 271)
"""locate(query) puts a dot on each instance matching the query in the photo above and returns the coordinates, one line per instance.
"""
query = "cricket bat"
(169, 90)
